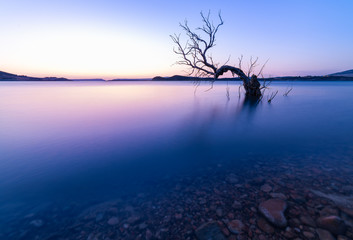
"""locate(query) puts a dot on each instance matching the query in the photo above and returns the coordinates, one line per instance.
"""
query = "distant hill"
(189, 78)
(289, 78)
(4, 76)
(341, 76)
(348, 73)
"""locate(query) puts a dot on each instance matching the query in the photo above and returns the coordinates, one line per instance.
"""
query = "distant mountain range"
(4, 76)
(340, 76)
(348, 73)
(333, 77)
(187, 78)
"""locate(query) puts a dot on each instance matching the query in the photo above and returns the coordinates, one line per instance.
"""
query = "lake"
(159, 160)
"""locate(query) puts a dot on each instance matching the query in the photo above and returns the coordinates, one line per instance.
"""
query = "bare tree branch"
(252, 65)
(262, 68)
(240, 61)
(195, 55)
(195, 52)
(287, 91)
(271, 97)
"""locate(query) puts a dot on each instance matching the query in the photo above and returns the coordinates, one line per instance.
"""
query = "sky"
(131, 39)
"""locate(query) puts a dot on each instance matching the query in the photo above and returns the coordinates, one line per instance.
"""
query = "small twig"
(240, 61)
(265, 84)
(252, 65)
(227, 60)
(262, 68)
(288, 90)
(272, 96)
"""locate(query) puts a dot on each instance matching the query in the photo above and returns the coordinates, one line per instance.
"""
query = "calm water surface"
(82, 142)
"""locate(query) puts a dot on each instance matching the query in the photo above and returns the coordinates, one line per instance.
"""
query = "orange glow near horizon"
(178, 70)
(78, 52)
(105, 76)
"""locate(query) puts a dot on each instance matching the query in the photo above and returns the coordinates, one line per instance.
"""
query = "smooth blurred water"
(80, 141)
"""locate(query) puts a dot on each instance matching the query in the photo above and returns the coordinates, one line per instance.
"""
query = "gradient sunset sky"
(130, 39)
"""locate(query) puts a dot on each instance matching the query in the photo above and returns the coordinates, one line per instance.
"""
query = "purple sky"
(117, 39)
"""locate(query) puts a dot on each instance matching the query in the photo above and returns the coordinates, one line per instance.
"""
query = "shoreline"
(8, 77)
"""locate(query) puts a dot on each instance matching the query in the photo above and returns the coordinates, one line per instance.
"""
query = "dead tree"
(195, 55)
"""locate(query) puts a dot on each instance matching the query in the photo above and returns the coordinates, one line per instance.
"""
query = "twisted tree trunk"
(251, 85)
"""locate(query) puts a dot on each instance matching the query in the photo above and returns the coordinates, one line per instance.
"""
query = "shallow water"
(78, 144)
